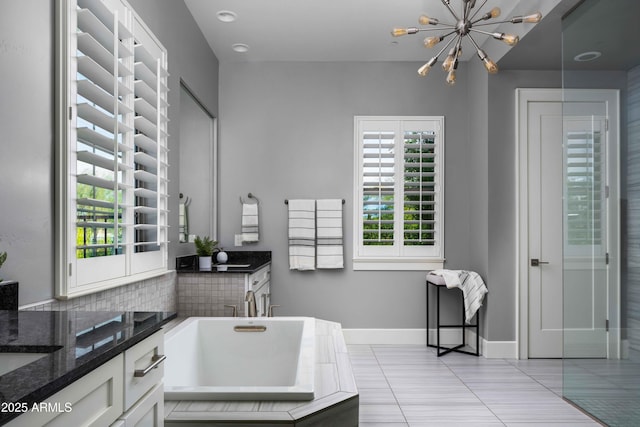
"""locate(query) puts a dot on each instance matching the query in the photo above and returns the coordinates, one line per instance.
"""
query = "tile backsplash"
(155, 294)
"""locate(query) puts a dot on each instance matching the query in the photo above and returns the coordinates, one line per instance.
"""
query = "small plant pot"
(205, 263)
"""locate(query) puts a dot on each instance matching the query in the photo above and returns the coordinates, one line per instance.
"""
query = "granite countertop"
(238, 262)
(76, 342)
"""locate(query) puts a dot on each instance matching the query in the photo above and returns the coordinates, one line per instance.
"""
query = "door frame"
(522, 98)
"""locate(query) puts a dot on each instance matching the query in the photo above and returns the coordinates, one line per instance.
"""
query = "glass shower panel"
(601, 217)
(585, 236)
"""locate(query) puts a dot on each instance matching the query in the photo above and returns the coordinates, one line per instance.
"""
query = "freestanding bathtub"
(233, 358)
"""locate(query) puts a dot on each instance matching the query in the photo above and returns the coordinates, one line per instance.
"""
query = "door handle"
(535, 262)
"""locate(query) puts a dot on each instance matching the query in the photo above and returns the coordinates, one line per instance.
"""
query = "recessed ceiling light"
(587, 56)
(226, 16)
(240, 48)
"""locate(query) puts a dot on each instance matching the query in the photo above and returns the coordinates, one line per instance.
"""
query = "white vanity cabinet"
(260, 283)
(114, 394)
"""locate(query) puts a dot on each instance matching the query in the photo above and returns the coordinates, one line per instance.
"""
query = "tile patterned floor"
(410, 386)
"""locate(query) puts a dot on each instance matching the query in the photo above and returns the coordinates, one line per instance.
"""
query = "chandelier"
(466, 22)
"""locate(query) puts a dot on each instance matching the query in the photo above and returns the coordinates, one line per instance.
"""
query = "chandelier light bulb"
(509, 39)
(425, 20)
(397, 32)
(448, 62)
(491, 66)
(451, 77)
(495, 12)
(432, 41)
(533, 18)
(424, 70)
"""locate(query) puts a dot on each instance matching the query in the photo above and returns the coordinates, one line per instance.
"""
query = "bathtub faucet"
(251, 299)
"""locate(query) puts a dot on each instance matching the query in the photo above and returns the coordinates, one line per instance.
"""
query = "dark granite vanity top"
(75, 343)
(238, 262)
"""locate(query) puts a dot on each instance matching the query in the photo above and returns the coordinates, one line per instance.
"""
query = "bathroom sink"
(233, 265)
(12, 361)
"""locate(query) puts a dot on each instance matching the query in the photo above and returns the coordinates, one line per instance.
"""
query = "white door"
(545, 229)
(564, 152)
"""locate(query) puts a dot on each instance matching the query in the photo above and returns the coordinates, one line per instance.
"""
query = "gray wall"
(286, 131)
(502, 200)
(26, 120)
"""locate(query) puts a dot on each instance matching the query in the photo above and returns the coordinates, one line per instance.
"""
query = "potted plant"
(3, 258)
(204, 249)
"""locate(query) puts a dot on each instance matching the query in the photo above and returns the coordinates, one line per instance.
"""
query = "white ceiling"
(335, 30)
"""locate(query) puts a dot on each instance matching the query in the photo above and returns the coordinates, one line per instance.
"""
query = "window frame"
(80, 276)
(398, 256)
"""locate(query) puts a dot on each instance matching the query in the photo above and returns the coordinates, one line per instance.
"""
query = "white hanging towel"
(472, 286)
(250, 222)
(329, 231)
(302, 234)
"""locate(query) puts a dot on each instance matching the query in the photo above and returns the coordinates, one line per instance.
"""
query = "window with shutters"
(398, 209)
(586, 186)
(112, 160)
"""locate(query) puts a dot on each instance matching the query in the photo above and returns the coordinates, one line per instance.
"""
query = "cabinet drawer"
(148, 412)
(93, 400)
(259, 278)
(138, 360)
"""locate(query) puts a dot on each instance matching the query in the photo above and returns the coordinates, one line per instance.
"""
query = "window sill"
(401, 264)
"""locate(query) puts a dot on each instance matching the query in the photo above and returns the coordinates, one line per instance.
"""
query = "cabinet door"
(148, 412)
(93, 400)
(139, 358)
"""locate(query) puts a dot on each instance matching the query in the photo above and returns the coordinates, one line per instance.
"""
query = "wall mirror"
(198, 169)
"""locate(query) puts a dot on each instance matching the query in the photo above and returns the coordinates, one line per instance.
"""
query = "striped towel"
(302, 234)
(250, 222)
(472, 286)
(329, 229)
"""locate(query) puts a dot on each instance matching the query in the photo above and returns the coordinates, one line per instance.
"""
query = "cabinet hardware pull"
(156, 360)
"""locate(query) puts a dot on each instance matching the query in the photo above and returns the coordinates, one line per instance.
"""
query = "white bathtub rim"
(305, 373)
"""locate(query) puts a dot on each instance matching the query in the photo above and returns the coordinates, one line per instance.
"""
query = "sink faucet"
(251, 299)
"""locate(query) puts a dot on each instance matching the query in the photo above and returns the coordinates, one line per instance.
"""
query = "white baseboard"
(385, 336)
(489, 349)
(499, 349)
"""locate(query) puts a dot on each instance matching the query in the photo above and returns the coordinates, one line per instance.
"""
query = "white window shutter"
(399, 193)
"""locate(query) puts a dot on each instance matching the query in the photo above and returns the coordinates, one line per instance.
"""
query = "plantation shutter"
(399, 188)
(419, 188)
(150, 147)
(114, 146)
(378, 187)
(586, 185)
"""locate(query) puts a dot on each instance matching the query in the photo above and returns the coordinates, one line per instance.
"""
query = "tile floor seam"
(389, 384)
(473, 392)
(530, 376)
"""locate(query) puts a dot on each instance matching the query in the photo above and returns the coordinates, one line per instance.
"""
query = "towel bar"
(286, 201)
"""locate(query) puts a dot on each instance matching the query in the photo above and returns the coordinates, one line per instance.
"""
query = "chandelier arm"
(489, 23)
(446, 27)
(444, 2)
(447, 45)
(478, 10)
(474, 42)
(482, 32)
